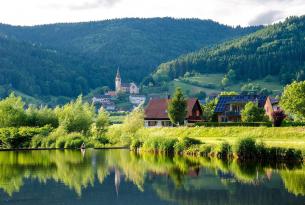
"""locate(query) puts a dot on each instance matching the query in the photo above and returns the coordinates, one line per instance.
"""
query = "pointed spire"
(118, 73)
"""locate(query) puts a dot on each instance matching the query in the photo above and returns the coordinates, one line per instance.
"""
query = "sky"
(230, 12)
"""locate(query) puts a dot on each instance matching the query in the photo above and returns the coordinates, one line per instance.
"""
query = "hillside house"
(156, 113)
(228, 108)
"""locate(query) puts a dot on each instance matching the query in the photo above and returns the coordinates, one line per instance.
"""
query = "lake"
(123, 177)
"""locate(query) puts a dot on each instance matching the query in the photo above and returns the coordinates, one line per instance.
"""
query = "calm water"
(121, 177)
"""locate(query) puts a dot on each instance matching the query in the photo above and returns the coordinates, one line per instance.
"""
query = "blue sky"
(231, 12)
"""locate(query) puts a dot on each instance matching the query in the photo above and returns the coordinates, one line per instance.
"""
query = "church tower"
(118, 81)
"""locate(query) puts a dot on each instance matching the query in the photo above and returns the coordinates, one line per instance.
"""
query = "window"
(166, 123)
(152, 123)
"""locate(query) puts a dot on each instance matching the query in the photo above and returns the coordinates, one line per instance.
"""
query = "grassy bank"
(261, 143)
(284, 137)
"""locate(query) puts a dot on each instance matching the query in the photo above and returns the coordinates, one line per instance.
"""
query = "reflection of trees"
(67, 167)
(294, 180)
(173, 178)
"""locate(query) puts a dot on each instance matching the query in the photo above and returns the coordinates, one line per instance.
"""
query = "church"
(130, 88)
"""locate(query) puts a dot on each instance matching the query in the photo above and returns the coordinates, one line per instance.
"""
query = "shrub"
(21, 137)
(159, 145)
(136, 144)
(36, 141)
(60, 142)
(278, 117)
(246, 149)
(184, 143)
(234, 124)
(224, 150)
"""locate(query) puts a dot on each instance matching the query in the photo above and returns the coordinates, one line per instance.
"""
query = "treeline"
(68, 59)
(275, 50)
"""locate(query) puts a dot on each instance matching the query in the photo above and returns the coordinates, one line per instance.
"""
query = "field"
(211, 83)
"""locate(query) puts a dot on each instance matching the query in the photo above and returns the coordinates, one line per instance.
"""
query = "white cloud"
(232, 12)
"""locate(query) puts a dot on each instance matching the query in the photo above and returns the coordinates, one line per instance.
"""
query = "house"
(228, 108)
(109, 106)
(131, 88)
(137, 99)
(101, 99)
(156, 113)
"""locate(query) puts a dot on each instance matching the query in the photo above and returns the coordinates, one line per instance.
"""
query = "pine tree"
(177, 108)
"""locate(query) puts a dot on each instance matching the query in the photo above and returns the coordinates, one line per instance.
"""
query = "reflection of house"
(228, 108)
(156, 113)
(131, 88)
(137, 99)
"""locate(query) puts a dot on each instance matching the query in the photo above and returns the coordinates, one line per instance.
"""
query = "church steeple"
(118, 81)
(118, 73)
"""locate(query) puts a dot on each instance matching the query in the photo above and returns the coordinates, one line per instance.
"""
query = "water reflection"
(176, 180)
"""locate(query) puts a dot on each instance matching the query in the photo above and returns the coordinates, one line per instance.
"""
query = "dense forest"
(69, 59)
(278, 49)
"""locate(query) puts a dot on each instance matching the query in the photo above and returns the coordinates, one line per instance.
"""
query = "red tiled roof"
(157, 108)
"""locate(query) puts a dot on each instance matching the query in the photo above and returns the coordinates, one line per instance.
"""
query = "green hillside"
(211, 84)
(69, 59)
(277, 50)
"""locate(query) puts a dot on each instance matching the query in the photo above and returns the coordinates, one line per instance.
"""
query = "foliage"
(13, 138)
(177, 108)
(234, 124)
(228, 93)
(102, 120)
(273, 50)
(246, 149)
(12, 112)
(76, 116)
(208, 110)
(252, 113)
(134, 121)
(159, 145)
(293, 99)
(39, 117)
(278, 117)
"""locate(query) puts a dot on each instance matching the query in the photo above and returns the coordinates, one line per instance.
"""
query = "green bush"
(13, 138)
(37, 141)
(184, 143)
(159, 145)
(224, 150)
(246, 149)
(74, 143)
(60, 143)
(136, 144)
(234, 124)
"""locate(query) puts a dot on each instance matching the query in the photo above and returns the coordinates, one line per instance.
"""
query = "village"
(228, 108)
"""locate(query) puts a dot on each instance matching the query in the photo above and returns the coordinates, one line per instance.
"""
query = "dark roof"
(226, 99)
(157, 108)
(274, 101)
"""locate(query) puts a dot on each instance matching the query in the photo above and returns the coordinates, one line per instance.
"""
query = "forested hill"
(66, 59)
(276, 50)
(38, 71)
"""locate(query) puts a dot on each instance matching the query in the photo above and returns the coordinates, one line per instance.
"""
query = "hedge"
(234, 124)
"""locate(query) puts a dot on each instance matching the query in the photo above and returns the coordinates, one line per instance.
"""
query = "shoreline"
(46, 149)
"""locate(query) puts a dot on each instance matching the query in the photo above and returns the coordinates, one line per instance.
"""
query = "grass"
(215, 79)
(283, 137)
